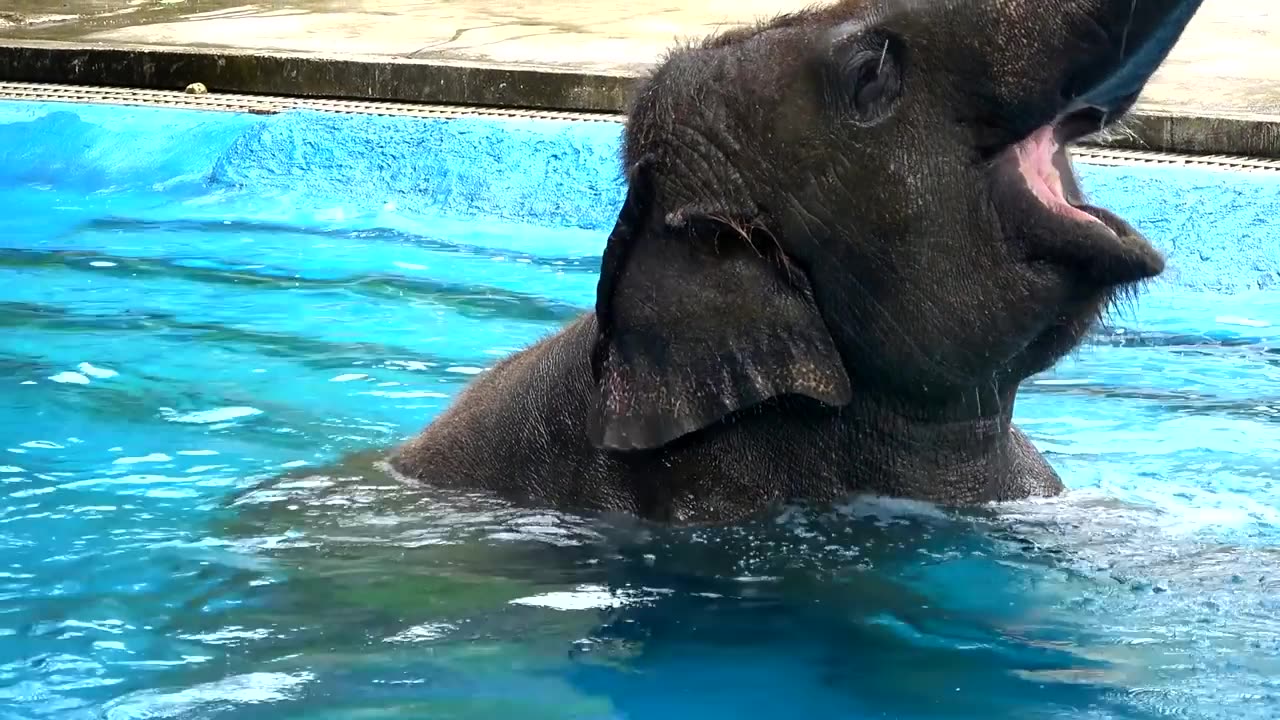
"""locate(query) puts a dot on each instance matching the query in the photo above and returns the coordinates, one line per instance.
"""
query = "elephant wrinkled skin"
(849, 234)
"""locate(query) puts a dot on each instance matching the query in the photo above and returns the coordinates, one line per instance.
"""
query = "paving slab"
(1219, 92)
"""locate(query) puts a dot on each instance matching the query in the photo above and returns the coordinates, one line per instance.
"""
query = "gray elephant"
(849, 234)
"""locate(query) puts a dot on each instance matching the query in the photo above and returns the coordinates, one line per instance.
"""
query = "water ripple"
(197, 520)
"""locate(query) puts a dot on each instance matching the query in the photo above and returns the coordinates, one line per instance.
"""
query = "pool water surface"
(202, 360)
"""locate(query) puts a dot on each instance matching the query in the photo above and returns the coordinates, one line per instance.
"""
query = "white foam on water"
(403, 394)
(102, 263)
(152, 458)
(96, 372)
(408, 365)
(170, 493)
(207, 417)
(31, 492)
(421, 633)
(28, 382)
(70, 378)
(590, 597)
(249, 689)
(891, 508)
(197, 452)
(231, 635)
(1242, 321)
(464, 369)
(409, 266)
(10, 469)
(348, 377)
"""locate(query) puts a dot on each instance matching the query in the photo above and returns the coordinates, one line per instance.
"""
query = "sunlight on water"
(167, 361)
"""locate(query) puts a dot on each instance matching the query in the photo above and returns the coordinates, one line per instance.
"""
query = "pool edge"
(256, 104)
(1152, 127)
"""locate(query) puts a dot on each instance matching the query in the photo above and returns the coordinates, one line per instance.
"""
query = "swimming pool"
(194, 303)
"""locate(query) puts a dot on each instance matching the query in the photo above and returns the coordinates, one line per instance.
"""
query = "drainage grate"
(1095, 155)
(270, 104)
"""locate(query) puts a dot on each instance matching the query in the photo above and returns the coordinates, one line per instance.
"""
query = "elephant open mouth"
(1046, 210)
(1042, 161)
(1039, 162)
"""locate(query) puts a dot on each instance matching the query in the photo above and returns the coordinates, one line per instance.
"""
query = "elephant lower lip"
(1093, 242)
(1113, 222)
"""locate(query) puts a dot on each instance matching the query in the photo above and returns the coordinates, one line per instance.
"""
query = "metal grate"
(270, 104)
(1119, 156)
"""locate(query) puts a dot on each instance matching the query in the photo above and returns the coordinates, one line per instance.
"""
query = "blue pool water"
(194, 305)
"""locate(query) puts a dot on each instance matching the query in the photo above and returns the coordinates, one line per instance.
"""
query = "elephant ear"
(696, 323)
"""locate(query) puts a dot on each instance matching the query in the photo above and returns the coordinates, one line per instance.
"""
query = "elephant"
(849, 233)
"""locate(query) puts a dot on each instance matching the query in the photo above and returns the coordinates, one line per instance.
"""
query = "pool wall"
(1217, 227)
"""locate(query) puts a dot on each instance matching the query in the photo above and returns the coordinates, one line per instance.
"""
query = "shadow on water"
(380, 599)
(467, 300)
(572, 263)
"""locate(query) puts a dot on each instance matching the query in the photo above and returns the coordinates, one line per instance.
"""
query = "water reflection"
(448, 603)
(132, 586)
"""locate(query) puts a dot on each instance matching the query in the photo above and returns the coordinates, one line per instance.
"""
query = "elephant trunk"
(1088, 59)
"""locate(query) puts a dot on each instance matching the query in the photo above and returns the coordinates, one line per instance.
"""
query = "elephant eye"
(865, 76)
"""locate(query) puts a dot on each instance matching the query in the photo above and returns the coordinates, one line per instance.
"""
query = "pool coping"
(1091, 153)
(1151, 127)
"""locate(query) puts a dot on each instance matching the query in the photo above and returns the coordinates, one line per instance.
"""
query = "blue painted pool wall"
(1220, 230)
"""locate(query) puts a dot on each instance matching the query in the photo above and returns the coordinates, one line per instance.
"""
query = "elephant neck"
(961, 453)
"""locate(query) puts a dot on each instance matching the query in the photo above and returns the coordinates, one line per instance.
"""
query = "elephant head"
(868, 203)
